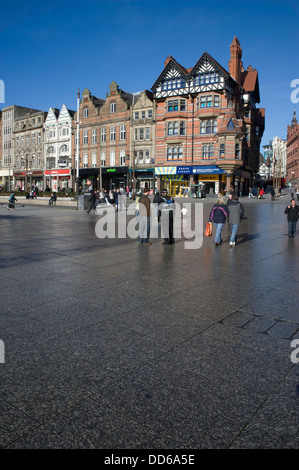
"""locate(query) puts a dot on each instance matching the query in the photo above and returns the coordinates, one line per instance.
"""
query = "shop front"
(34, 178)
(143, 178)
(180, 180)
(57, 179)
(108, 177)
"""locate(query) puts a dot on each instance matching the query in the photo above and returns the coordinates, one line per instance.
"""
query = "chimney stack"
(235, 63)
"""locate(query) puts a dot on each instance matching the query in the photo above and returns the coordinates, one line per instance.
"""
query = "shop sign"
(165, 170)
(57, 172)
(207, 169)
(184, 170)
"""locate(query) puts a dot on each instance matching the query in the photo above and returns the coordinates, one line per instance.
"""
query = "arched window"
(222, 151)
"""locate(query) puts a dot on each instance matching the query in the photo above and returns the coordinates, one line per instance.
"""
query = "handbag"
(208, 231)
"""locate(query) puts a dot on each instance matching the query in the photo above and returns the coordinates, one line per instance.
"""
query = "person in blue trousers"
(218, 216)
(292, 212)
(236, 213)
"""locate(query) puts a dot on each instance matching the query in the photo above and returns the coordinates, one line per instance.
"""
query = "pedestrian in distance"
(144, 218)
(218, 215)
(52, 199)
(92, 200)
(235, 215)
(272, 192)
(167, 213)
(292, 211)
(250, 194)
(11, 201)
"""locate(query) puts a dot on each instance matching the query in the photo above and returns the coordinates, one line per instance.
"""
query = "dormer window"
(230, 126)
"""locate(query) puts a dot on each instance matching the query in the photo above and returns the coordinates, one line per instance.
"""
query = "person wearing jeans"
(218, 215)
(236, 213)
(292, 212)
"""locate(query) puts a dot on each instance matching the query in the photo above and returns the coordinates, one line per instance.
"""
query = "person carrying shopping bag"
(218, 216)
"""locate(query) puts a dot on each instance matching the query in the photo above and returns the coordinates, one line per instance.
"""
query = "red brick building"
(293, 152)
(208, 128)
(104, 130)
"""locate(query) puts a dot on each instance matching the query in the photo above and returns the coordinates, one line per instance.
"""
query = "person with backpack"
(235, 215)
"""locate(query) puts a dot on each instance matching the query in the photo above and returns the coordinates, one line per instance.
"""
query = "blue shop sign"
(184, 170)
(207, 169)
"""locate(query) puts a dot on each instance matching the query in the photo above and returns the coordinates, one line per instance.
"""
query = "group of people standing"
(233, 210)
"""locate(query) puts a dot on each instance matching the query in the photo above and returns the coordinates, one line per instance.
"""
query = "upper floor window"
(174, 153)
(176, 105)
(103, 134)
(208, 101)
(112, 134)
(208, 126)
(222, 151)
(85, 137)
(85, 112)
(230, 125)
(113, 107)
(94, 136)
(173, 84)
(208, 151)
(205, 78)
(237, 151)
(122, 132)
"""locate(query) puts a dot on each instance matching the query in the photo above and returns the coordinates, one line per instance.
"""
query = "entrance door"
(177, 188)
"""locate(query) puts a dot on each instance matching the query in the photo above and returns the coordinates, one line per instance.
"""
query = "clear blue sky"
(50, 49)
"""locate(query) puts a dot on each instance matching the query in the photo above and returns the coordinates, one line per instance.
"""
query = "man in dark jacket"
(167, 210)
(92, 200)
(292, 212)
(236, 213)
(144, 218)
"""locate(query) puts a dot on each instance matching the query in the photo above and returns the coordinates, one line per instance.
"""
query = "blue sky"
(49, 50)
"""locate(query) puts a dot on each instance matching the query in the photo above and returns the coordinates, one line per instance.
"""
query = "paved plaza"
(113, 345)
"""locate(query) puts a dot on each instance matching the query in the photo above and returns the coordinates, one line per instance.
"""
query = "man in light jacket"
(235, 215)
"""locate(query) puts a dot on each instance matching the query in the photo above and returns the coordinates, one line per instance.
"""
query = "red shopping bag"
(208, 231)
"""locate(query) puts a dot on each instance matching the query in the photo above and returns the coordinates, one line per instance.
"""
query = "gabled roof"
(206, 57)
(169, 63)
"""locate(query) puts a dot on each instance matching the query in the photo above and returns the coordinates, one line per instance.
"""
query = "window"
(103, 134)
(174, 153)
(112, 158)
(142, 114)
(237, 151)
(17, 141)
(103, 158)
(85, 112)
(85, 137)
(208, 126)
(230, 125)
(136, 115)
(176, 105)
(85, 160)
(94, 136)
(122, 157)
(112, 134)
(113, 107)
(33, 139)
(205, 78)
(147, 156)
(173, 128)
(141, 133)
(208, 101)
(182, 128)
(150, 114)
(222, 151)
(147, 133)
(172, 84)
(39, 138)
(122, 132)
(94, 159)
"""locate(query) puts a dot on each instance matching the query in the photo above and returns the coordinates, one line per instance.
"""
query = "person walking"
(235, 215)
(157, 200)
(144, 218)
(11, 201)
(167, 212)
(218, 216)
(92, 200)
(292, 211)
(250, 193)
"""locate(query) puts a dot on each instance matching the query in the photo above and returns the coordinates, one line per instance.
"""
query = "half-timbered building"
(208, 129)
